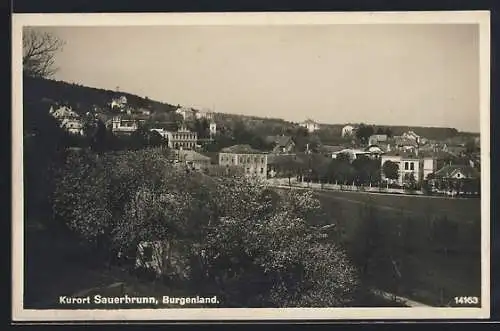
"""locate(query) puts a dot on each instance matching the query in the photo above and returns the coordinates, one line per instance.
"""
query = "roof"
(411, 133)
(309, 121)
(271, 139)
(402, 141)
(189, 155)
(63, 111)
(279, 140)
(456, 149)
(450, 171)
(403, 154)
(331, 148)
(241, 149)
(351, 151)
(374, 149)
(438, 154)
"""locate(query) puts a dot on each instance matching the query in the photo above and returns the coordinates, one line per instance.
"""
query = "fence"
(337, 187)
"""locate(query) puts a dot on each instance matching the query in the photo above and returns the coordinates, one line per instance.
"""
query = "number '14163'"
(466, 300)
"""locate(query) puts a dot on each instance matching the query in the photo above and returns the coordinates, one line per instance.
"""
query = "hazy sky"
(381, 74)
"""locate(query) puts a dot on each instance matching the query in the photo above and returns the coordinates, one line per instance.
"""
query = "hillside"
(83, 99)
(433, 133)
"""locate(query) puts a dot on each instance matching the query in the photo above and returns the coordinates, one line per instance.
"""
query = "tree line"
(340, 170)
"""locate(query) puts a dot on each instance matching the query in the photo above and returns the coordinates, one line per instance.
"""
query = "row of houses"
(191, 114)
(254, 163)
(182, 138)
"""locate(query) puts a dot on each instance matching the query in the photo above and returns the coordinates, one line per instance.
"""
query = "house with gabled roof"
(282, 143)
(330, 150)
(192, 159)
(68, 119)
(456, 179)
(377, 138)
(457, 171)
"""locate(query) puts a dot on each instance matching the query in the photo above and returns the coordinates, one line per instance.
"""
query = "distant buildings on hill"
(120, 126)
(68, 120)
(181, 139)
(348, 131)
(119, 103)
(310, 125)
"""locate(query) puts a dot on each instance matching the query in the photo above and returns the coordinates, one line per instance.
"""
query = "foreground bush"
(248, 244)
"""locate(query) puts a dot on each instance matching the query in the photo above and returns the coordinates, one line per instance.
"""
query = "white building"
(68, 119)
(429, 166)
(213, 128)
(62, 112)
(182, 139)
(310, 125)
(72, 125)
(348, 130)
(410, 164)
(119, 103)
(376, 139)
(372, 152)
(186, 113)
(124, 126)
(204, 114)
(411, 135)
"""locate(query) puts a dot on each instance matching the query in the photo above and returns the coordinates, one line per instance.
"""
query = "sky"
(392, 74)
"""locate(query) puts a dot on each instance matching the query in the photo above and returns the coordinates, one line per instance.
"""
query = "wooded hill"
(82, 99)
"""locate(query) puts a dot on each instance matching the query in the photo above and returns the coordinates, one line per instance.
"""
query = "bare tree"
(39, 50)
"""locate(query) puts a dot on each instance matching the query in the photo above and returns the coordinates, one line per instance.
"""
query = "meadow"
(428, 249)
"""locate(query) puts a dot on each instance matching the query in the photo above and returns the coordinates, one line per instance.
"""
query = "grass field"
(433, 271)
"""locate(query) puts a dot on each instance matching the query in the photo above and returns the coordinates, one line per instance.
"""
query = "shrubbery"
(251, 245)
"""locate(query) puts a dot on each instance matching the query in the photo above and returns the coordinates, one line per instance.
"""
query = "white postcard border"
(289, 18)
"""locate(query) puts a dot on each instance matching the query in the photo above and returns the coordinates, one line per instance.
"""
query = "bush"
(252, 245)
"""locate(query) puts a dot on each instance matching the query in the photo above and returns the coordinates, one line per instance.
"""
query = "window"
(406, 165)
(261, 170)
(147, 253)
(412, 166)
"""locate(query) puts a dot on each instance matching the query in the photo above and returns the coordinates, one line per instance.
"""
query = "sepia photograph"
(251, 166)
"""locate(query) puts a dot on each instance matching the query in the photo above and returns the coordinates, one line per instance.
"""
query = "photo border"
(482, 18)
